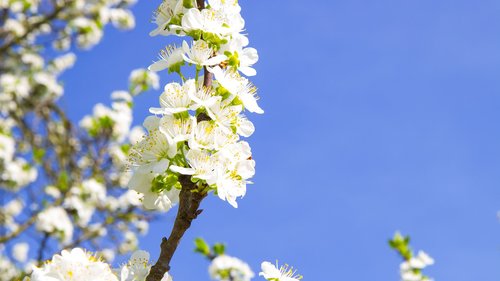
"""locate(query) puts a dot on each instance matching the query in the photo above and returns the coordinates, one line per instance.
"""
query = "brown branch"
(189, 202)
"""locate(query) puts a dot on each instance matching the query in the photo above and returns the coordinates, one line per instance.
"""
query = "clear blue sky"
(380, 116)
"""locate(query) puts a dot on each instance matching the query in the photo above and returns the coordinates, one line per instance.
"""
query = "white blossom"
(200, 53)
(55, 220)
(141, 80)
(170, 58)
(20, 252)
(227, 268)
(239, 87)
(206, 20)
(175, 98)
(284, 273)
(411, 270)
(162, 16)
(74, 265)
(122, 18)
(138, 267)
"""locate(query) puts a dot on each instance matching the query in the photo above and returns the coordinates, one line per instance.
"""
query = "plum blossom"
(75, 265)
(271, 272)
(227, 268)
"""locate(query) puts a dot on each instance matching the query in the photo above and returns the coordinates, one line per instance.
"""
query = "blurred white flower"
(227, 268)
(20, 252)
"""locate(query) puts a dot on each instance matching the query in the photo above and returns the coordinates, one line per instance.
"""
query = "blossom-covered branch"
(193, 146)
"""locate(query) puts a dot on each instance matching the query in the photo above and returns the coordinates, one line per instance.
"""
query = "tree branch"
(189, 202)
(32, 28)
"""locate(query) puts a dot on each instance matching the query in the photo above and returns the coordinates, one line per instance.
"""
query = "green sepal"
(164, 182)
(188, 4)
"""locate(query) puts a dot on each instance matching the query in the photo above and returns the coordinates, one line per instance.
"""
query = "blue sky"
(380, 116)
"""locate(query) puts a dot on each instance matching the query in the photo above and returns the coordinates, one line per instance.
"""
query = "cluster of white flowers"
(55, 220)
(20, 252)
(27, 80)
(77, 264)
(31, 80)
(27, 27)
(9, 212)
(84, 20)
(114, 122)
(74, 265)
(8, 270)
(194, 134)
(140, 80)
(78, 205)
(227, 268)
(196, 130)
(84, 199)
(411, 270)
(137, 268)
(15, 171)
(111, 122)
(273, 272)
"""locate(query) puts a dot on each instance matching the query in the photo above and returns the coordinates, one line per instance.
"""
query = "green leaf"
(38, 154)
(201, 246)
(219, 249)
(62, 181)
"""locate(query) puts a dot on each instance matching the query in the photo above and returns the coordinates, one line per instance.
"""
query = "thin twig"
(43, 244)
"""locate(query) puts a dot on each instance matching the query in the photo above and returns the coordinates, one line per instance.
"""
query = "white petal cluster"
(227, 268)
(33, 81)
(66, 182)
(27, 71)
(84, 199)
(150, 159)
(141, 80)
(411, 270)
(113, 121)
(15, 171)
(20, 252)
(80, 265)
(137, 268)
(55, 220)
(197, 130)
(272, 272)
(74, 265)
(8, 270)
(9, 213)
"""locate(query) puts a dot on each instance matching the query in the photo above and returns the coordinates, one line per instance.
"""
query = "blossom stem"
(197, 75)
(182, 76)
